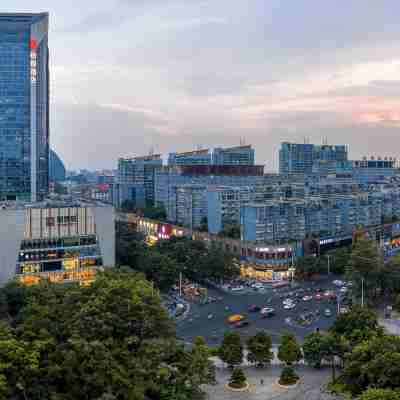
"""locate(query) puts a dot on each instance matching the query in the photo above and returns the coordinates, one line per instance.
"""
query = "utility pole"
(180, 284)
(329, 263)
(362, 292)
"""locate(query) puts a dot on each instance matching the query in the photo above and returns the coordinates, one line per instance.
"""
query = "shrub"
(238, 379)
(288, 376)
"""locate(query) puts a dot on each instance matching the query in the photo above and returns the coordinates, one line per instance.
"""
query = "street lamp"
(362, 279)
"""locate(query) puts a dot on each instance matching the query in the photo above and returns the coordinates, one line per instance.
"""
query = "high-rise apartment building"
(24, 106)
(297, 158)
(238, 155)
(196, 157)
(140, 171)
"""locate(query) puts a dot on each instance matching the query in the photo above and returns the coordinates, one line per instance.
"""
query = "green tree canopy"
(373, 363)
(231, 350)
(109, 340)
(357, 325)
(380, 394)
(238, 378)
(259, 348)
(289, 350)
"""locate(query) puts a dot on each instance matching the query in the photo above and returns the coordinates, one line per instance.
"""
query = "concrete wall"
(12, 227)
(105, 228)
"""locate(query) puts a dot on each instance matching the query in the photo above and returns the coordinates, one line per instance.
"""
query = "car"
(289, 306)
(267, 311)
(307, 298)
(329, 294)
(318, 296)
(241, 324)
(254, 308)
(338, 283)
(287, 301)
(257, 285)
(237, 288)
(327, 312)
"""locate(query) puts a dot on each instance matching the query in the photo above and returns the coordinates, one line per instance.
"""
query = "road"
(197, 323)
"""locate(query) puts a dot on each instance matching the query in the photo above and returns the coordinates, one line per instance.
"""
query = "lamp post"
(329, 263)
(362, 279)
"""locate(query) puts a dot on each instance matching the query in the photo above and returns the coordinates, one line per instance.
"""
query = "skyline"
(127, 76)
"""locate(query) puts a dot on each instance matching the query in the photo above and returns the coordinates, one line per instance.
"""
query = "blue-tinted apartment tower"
(24, 106)
(239, 155)
(298, 158)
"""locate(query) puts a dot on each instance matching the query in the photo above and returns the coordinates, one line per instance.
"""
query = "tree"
(201, 362)
(390, 276)
(288, 376)
(339, 259)
(231, 350)
(289, 350)
(313, 349)
(380, 394)
(203, 225)
(230, 231)
(128, 206)
(308, 266)
(357, 325)
(238, 379)
(110, 340)
(160, 269)
(373, 363)
(259, 349)
(366, 265)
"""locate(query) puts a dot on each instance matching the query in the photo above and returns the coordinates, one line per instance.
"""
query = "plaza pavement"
(312, 386)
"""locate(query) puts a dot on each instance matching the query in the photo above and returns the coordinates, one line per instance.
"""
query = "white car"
(307, 298)
(237, 288)
(289, 306)
(287, 301)
(338, 283)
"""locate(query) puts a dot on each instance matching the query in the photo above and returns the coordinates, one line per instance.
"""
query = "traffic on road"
(299, 307)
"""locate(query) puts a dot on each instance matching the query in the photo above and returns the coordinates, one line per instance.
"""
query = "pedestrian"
(262, 381)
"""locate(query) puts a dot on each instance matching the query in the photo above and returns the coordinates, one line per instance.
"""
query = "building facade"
(375, 170)
(239, 155)
(56, 168)
(140, 171)
(24, 106)
(59, 243)
(169, 179)
(298, 158)
(196, 157)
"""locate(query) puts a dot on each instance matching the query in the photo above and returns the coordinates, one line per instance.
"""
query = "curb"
(287, 387)
(231, 389)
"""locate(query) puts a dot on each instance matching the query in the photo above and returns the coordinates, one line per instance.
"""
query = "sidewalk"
(391, 325)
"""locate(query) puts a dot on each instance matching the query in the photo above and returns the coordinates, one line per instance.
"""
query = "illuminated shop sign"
(271, 249)
(326, 241)
(33, 47)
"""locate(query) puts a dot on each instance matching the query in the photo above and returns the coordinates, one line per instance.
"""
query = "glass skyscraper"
(24, 106)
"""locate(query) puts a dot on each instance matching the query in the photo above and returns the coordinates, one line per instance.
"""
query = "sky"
(133, 76)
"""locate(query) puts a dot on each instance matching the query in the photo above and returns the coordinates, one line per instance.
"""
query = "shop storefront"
(266, 272)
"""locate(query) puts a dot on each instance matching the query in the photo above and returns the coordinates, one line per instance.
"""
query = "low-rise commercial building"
(58, 242)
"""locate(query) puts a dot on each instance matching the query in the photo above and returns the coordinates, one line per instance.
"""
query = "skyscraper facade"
(24, 106)
(56, 167)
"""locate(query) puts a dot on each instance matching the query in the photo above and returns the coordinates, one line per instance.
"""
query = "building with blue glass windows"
(56, 168)
(24, 106)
